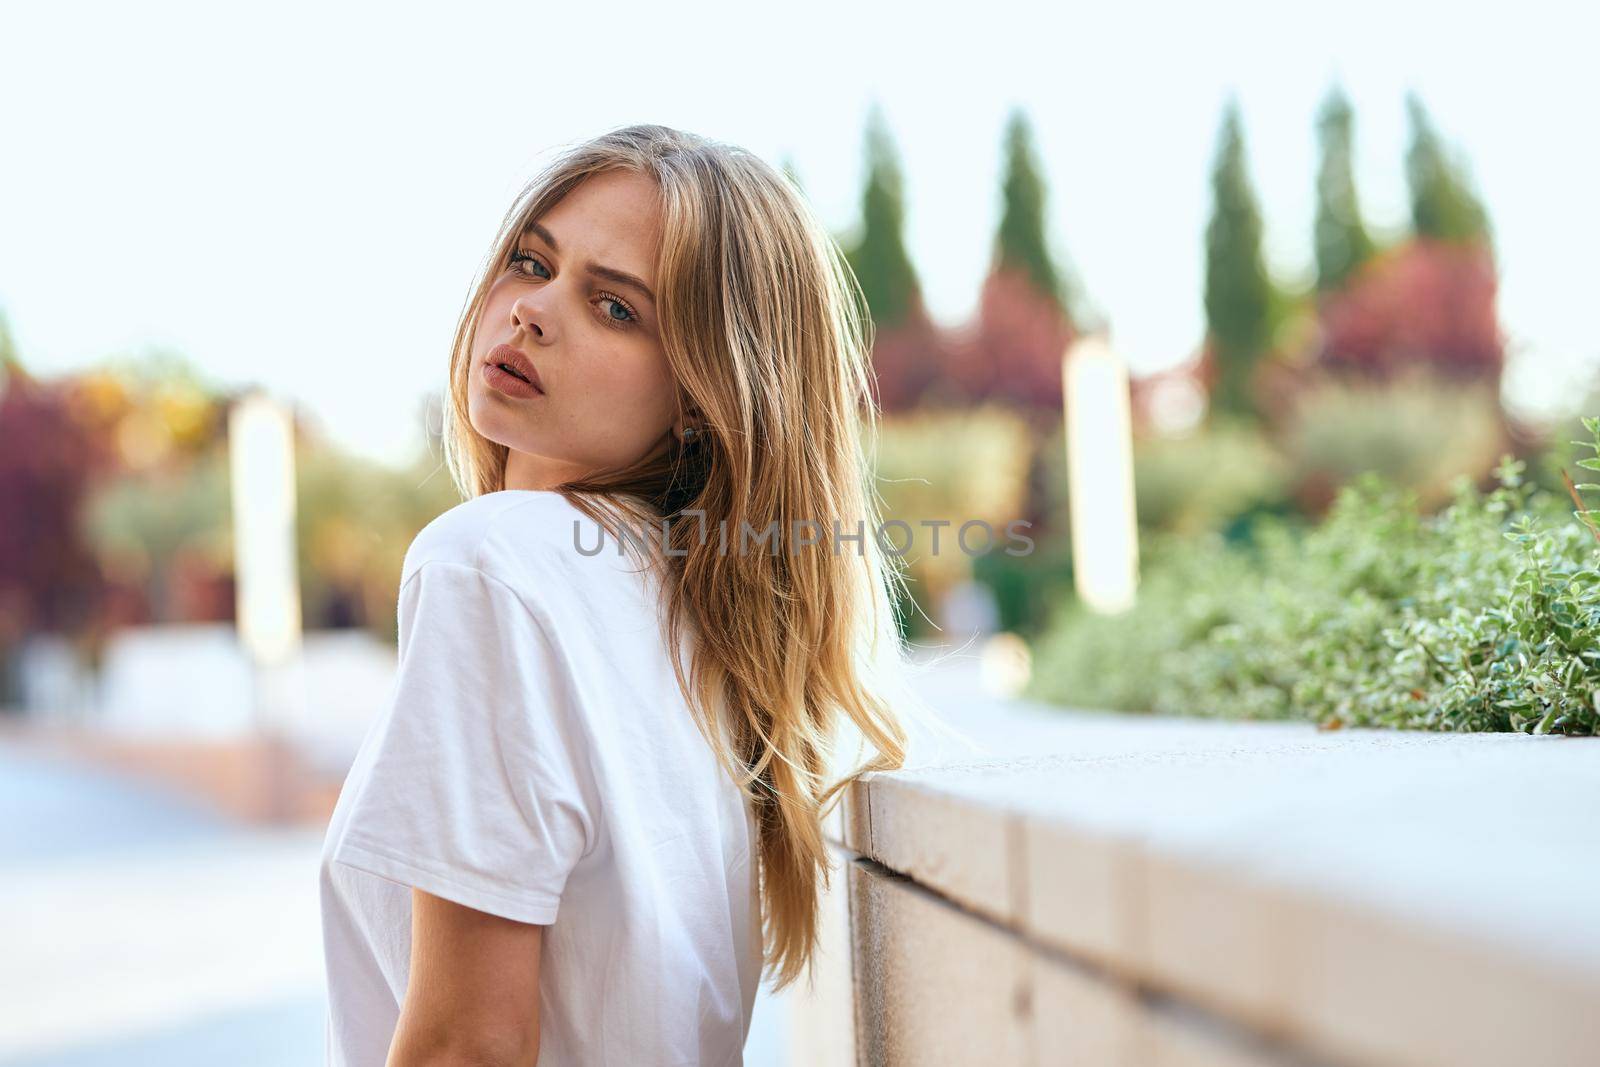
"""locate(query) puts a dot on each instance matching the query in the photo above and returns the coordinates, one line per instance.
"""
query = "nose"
(529, 315)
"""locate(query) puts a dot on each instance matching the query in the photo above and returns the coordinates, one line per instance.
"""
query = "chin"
(486, 422)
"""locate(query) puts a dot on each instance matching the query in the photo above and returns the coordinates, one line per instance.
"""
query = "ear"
(688, 415)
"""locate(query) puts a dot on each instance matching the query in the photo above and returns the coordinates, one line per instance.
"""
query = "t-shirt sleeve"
(475, 786)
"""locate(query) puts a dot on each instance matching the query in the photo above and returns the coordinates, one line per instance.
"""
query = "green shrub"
(1204, 479)
(1416, 431)
(1484, 616)
(947, 464)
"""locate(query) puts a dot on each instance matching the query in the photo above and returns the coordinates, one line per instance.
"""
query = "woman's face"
(606, 397)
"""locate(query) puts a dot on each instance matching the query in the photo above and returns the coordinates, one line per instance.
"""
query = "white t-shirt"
(537, 761)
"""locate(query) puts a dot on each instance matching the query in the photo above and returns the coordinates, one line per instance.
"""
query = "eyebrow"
(609, 273)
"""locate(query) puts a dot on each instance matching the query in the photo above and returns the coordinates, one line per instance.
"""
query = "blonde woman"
(592, 815)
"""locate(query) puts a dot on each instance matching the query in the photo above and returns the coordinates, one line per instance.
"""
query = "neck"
(525, 470)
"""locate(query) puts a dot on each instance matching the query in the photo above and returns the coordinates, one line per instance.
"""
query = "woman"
(592, 813)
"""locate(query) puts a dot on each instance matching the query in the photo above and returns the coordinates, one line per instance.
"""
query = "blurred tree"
(878, 256)
(1426, 302)
(1202, 480)
(1011, 352)
(49, 581)
(1239, 296)
(909, 360)
(1021, 244)
(1342, 241)
(354, 521)
(1444, 204)
(907, 349)
(158, 517)
(148, 524)
(1415, 428)
(954, 466)
(1027, 586)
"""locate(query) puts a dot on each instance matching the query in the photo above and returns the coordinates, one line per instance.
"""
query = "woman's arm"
(473, 994)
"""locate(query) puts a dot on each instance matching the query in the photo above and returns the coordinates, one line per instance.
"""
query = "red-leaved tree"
(1011, 352)
(908, 361)
(49, 580)
(1427, 302)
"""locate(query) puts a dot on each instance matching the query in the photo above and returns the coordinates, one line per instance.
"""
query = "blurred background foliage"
(1202, 480)
(355, 521)
(1415, 430)
(1388, 362)
(116, 489)
(1484, 615)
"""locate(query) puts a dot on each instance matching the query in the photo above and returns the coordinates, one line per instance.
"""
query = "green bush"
(951, 464)
(1484, 616)
(1204, 479)
(1416, 431)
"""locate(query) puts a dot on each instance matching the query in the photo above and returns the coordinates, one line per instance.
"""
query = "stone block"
(935, 987)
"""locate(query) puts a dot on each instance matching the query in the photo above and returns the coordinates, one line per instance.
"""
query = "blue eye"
(519, 257)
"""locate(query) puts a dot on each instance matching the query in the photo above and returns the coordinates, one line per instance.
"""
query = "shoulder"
(542, 549)
(494, 533)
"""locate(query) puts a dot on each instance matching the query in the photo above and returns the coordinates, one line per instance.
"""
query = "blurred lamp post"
(261, 458)
(1105, 538)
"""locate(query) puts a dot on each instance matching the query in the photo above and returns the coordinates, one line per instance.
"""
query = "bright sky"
(298, 195)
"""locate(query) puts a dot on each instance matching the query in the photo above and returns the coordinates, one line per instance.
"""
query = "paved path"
(139, 929)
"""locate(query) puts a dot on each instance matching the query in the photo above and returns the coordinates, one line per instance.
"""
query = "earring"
(689, 434)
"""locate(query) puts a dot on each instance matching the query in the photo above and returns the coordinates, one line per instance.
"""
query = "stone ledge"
(1368, 897)
(938, 985)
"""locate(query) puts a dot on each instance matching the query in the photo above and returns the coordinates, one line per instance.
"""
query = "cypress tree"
(1342, 241)
(1444, 204)
(878, 256)
(1020, 243)
(1238, 292)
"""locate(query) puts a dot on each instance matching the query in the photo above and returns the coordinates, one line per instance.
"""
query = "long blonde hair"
(767, 334)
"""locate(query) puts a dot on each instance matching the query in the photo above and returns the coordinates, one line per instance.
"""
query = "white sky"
(298, 195)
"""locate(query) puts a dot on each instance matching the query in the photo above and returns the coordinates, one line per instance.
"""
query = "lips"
(511, 359)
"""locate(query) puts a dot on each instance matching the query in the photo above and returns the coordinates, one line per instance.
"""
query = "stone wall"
(1122, 890)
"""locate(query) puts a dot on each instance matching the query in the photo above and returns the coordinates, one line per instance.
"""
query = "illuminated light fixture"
(267, 586)
(1104, 521)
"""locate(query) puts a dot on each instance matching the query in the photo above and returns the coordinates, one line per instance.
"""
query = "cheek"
(634, 379)
(491, 321)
